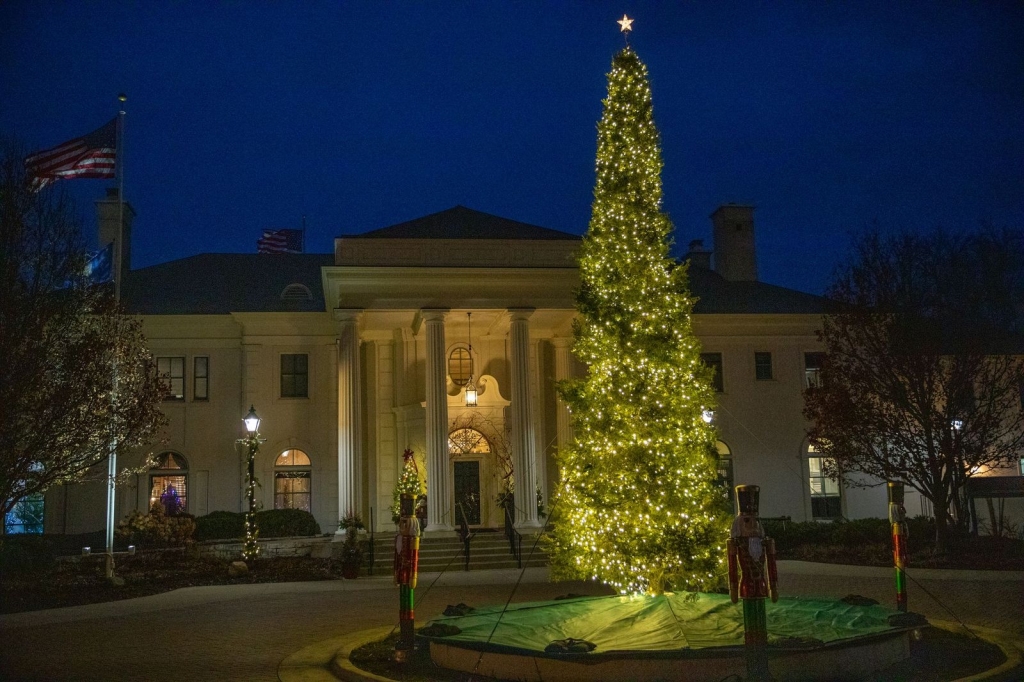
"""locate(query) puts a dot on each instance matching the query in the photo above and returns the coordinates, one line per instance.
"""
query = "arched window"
(467, 441)
(168, 483)
(293, 480)
(460, 365)
(826, 494)
(725, 477)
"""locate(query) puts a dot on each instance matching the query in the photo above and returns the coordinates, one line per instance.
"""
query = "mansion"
(353, 358)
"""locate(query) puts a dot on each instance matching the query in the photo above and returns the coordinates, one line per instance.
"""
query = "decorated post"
(752, 577)
(407, 548)
(898, 519)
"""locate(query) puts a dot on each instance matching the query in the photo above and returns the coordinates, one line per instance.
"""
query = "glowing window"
(826, 496)
(467, 441)
(293, 481)
(168, 483)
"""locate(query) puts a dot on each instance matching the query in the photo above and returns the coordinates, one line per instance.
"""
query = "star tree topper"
(626, 23)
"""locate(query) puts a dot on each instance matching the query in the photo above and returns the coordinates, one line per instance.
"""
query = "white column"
(563, 371)
(524, 457)
(349, 423)
(439, 487)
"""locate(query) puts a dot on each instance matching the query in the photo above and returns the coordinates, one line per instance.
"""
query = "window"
(293, 481)
(812, 369)
(725, 477)
(27, 515)
(201, 378)
(460, 365)
(763, 366)
(714, 361)
(168, 483)
(172, 372)
(294, 375)
(466, 442)
(826, 502)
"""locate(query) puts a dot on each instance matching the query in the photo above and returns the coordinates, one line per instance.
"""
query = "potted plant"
(351, 551)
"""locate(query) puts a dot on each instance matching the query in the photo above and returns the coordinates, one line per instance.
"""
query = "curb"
(328, 661)
(1007, 643)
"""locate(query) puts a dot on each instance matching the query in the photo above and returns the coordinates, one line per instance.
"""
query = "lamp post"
(250, 548)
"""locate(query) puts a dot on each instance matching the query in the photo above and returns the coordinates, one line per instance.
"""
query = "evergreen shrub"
(220, 525)
(273, 523)
(286, 523)
(789, 535)
(26, 554)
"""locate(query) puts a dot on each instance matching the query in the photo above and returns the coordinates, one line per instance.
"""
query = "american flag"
(280, 241)
(89, 156)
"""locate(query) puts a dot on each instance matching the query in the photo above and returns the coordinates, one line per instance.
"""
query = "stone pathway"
(244, 632)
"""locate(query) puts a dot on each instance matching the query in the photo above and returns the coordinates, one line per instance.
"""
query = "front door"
(467, 492)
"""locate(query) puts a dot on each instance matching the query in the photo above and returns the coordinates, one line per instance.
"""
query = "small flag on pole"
(280, 241)
(89, 156)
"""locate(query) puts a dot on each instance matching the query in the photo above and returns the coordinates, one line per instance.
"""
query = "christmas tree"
(637, 507)
(408, 483)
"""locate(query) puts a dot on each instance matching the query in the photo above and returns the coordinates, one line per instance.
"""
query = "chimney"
(108, 213)
(735, 258)
(698, 257)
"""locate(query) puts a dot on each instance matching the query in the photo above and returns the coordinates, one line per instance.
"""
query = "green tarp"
(671, 622)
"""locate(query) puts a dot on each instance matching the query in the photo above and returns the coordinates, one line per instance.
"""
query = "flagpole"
(303, 247)
(112, 459)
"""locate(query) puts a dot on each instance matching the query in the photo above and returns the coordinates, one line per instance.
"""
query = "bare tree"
(61, 339)
(923, 372)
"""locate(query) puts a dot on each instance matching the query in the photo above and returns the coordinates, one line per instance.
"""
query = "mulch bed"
(146, 573)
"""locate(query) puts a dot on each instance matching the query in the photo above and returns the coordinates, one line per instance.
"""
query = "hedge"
(790, 535)
(273, 523)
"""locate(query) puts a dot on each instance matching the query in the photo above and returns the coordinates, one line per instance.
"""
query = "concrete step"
(440, 553)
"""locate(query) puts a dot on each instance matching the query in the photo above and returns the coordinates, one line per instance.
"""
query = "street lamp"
(250, 547)
(252, 421)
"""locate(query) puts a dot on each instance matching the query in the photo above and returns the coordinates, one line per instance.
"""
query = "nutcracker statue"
(407, 549)
(752, 577)
(898, 519)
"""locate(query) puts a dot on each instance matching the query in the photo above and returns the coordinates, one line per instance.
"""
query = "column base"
(528, 525)
(437, 529)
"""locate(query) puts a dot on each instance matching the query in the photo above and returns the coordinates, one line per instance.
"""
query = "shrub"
(156, 529)
(26, 554)
(286, 523)
(860, 532)
(272, 523)
(220, 525)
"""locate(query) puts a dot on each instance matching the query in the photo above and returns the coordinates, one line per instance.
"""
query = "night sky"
(829, 117)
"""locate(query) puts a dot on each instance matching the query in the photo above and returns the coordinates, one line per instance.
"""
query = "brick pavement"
(228, 633)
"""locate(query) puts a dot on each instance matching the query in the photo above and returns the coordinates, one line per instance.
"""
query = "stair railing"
(464, 532)
(515, 539)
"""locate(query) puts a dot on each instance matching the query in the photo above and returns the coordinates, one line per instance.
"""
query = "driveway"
(243, 632)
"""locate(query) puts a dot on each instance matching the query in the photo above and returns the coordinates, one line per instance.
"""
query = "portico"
(401, 307)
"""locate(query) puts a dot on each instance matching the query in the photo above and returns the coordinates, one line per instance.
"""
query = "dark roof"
(464, 223)
(221, 283)
(717, 295)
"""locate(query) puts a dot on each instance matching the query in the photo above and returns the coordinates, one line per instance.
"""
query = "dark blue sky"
(829, 117)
